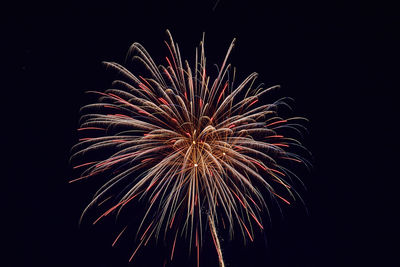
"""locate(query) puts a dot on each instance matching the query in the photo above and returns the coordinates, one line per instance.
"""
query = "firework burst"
(201, 152)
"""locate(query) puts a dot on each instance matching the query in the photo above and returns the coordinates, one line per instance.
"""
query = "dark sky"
(337, 59)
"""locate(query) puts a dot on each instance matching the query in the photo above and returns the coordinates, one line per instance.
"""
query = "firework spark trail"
(216, 242)
(198, 151)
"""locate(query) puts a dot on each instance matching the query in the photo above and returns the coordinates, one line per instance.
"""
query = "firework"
(202, 153)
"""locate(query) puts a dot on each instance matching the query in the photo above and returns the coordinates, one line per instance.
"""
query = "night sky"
(338, 60)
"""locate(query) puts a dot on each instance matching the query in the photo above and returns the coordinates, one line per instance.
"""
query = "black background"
(337, 59)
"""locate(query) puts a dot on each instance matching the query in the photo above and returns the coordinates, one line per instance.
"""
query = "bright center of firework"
(194, 142)
(196, 165)
(224, 153)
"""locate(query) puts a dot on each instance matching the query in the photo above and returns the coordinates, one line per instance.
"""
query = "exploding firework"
(201, 153)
